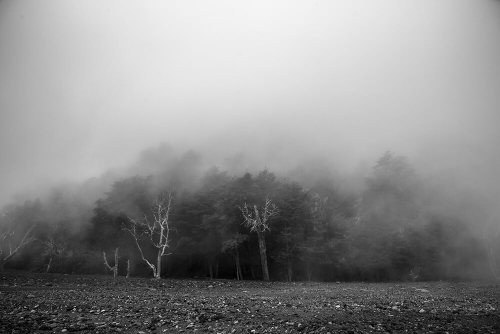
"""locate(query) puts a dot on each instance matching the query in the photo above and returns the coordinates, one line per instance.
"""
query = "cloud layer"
(85, 86)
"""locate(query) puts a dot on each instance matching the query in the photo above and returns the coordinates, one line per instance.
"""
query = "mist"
(308, 90)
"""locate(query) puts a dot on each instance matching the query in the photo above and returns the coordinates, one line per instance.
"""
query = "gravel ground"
(50, 303)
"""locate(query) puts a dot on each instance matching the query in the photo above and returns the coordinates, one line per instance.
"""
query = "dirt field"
(50, 303)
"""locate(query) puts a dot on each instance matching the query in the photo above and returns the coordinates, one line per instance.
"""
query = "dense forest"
(169, 216)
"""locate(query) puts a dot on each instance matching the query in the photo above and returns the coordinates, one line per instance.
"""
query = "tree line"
(254, 226)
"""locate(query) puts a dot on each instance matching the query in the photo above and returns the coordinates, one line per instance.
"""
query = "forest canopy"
(226, 222)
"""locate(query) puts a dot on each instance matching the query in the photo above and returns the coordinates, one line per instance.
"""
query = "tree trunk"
(128, 268)
(493, 263)
(158, 265)
(4, 260)
(115, 269)
(48, 265)
(210, 269)
(290, 271)
(216, 269)
(239, 275)
(263, 256)
(237, 269)
(309, 271)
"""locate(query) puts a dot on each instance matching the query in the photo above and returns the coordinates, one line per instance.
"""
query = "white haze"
(86, 85)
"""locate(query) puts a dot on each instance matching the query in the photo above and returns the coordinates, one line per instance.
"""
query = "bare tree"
(53, 247)
(257, 221)
(114, 268)
(491, 239)
(157, 229)
(7, 249)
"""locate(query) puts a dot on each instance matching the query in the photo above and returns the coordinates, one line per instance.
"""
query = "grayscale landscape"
(270, 147)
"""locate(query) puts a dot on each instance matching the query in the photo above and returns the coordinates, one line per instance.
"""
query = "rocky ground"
(51, 303)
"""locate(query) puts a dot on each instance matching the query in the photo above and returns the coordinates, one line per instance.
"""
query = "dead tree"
(114, 268)
(491, 239)
(257, 221)
(53, 248)
(157, 230)
(7, 249)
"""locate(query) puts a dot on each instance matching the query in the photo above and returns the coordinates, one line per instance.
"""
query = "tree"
(129, 197)
(114, 268)
(156, 228)
(7, 249)
(292, 226)
(53, 247)
(204, 219)
(212, 228)
(390, 212)
(230, 245)
(492, 241)
(314, 250)
(257, 220)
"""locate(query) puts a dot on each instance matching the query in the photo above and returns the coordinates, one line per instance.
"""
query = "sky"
(87, 85)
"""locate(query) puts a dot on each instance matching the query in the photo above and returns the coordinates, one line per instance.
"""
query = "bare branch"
(257, 220)
(490, 237)
(133, 231)
(270, 209)
(114, 269)
(156, 229)
(14, 250)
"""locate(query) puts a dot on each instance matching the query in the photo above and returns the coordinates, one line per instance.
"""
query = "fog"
(86, 86)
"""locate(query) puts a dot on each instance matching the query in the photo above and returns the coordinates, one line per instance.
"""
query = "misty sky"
(87, 85)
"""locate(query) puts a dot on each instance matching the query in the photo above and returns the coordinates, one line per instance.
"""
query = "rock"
(114, 305)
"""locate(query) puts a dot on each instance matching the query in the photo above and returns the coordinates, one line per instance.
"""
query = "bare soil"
(51, 303)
